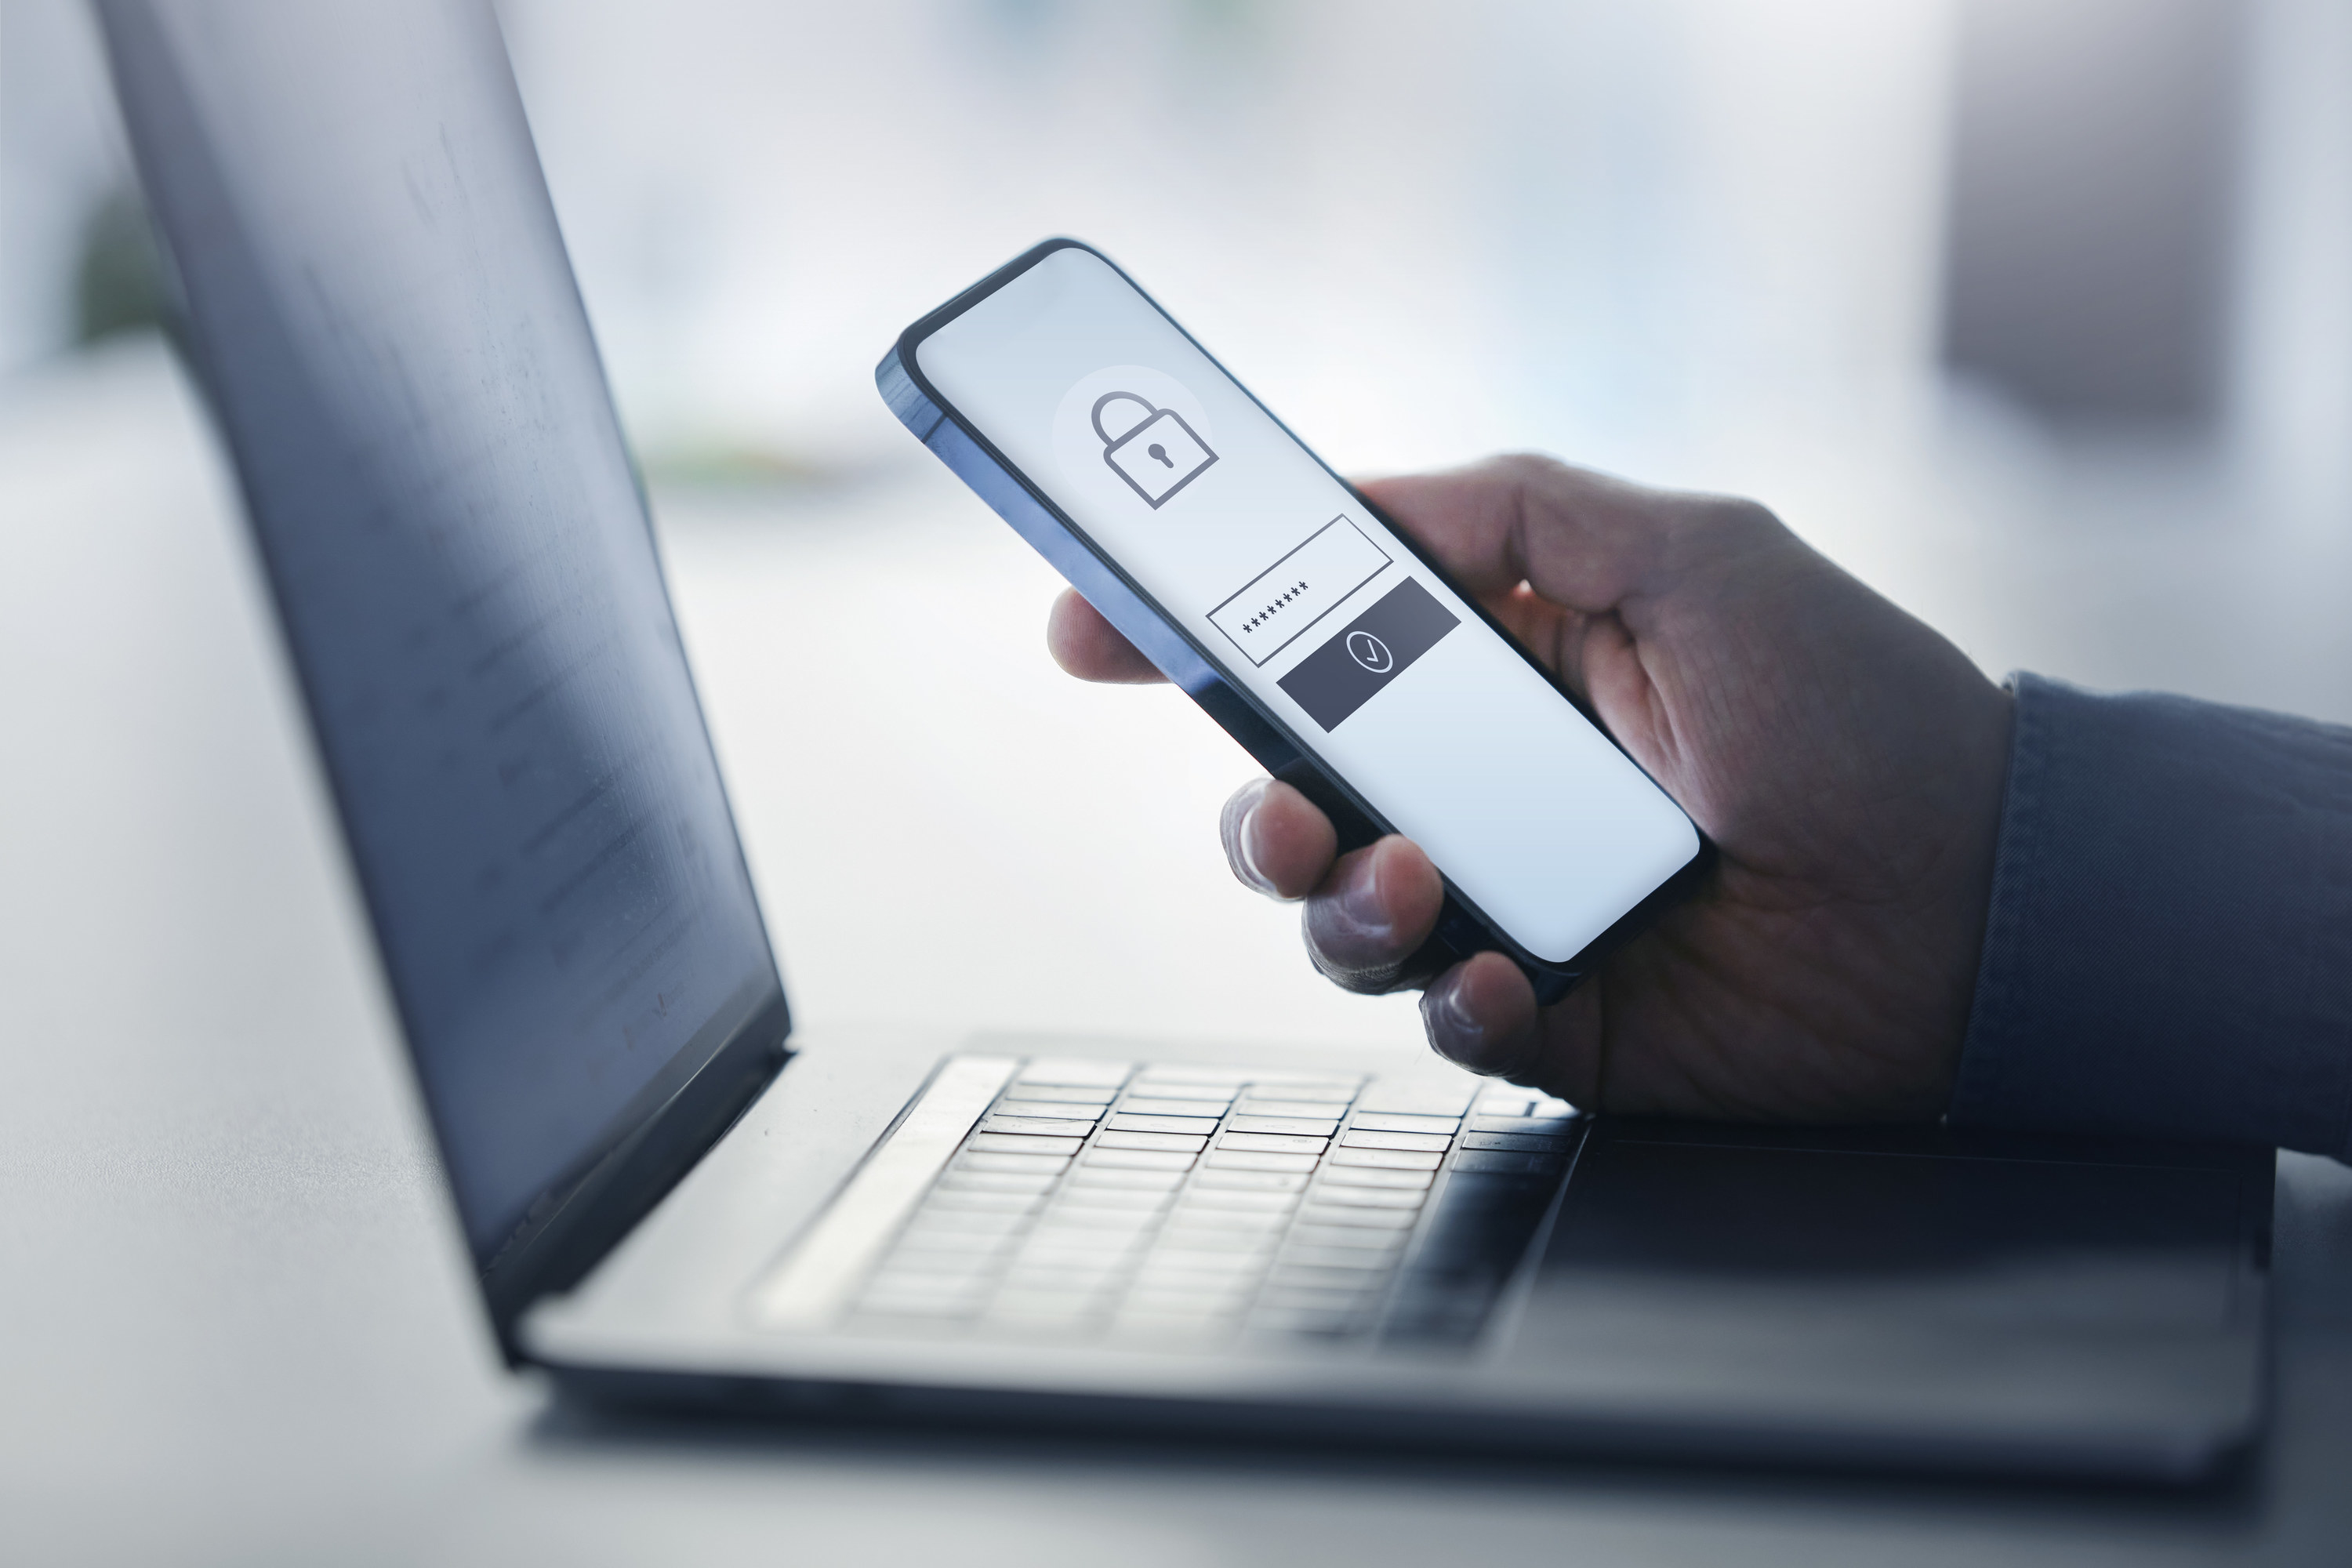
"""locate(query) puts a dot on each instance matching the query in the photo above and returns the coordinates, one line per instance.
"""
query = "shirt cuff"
(2169, 947)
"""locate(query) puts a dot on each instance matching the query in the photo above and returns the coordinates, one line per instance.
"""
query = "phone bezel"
(1671, 891)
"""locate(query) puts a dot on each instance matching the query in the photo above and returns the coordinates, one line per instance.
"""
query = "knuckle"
(1530, 471)
(1716, 527)
(1730, 518)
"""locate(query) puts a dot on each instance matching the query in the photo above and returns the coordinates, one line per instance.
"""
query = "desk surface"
(235, 1323)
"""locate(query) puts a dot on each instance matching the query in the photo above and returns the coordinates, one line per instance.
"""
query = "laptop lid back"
(379, 303)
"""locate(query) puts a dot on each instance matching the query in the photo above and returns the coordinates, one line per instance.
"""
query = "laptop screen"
(380, 305)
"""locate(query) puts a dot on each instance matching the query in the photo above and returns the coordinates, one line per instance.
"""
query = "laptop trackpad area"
(1894, 1271)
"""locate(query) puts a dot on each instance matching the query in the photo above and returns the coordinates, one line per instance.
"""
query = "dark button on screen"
(1367, 653)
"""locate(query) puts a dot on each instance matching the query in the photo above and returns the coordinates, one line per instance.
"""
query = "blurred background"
(2037, 314)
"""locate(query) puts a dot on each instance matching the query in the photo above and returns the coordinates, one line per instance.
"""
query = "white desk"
(234, 1321)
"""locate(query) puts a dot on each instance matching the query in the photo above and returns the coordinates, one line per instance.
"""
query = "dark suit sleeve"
(2170, 949)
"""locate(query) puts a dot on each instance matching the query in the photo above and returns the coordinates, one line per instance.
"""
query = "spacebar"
(809, 1287)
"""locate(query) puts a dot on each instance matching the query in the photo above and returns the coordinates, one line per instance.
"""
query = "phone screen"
(1243, 541)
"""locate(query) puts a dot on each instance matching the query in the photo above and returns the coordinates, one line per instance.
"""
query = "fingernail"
(1240, 828)
(1454, 1034)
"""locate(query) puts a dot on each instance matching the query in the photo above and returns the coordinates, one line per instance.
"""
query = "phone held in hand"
(1291, 609)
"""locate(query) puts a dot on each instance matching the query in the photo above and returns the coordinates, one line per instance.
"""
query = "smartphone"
(1290, 608)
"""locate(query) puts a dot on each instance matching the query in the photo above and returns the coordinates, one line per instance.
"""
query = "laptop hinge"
(574, 1229)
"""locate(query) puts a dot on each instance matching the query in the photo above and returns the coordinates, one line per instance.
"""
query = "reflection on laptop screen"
(381, 308)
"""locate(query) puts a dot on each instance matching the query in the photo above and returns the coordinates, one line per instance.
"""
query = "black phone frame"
(1462, 929)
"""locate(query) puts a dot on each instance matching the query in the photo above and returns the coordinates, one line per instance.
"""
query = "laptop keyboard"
(1075, 1199)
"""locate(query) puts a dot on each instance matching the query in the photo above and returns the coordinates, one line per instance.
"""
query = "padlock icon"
(1157, 454)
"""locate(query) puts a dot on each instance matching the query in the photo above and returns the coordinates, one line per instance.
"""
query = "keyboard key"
(1138, 1160)
(1185, 1305)
(1221, 1313)
(1191, 1252)
(888, 1305)
(947, 1260)
(1067, 1094)
(1209, 1300)
(1515, 1142)
(1191, 1305)
(1405, 1100)
(1332, 1301)
(1444, 1126)
(1369, 1197)
(1422, 1143)
(1052, 1110)
(1305, 1085)
(1083, 1246)
(1087, 1219)
(1039, 1164)
(1056, 1126)
(1203, 1294)
(1249, 1181)
(954, 1200)
(1177, 1074)
(1503, 1102)
(1226, 1198)
(1076, 1072)
(1101, 1254)
(1294, 1275)
(1197, 1108)
(1387, 1159)
(1070, 1263)
(1555, 1125)
(1086, 1250)
(1316, 1110)
(1271, 1144)
(964, 1265)
(1045, 1307)
(1021, 1144)
(1179, 1237)
(1144, 1198)
(926, 1221)
(1191, 1126)
(1078, 1277)
(1500, 1163)
(1315, 1127)
(1372, 1177)
(965, 1180)
(927, 1282)
(1322, 1213)
(1351, 1236)
(1236, 1160)
(1364, 1259)
(1092, 1175)
(1189, 1144)
(1308, 1321)
(1208, 1217)
(1189, 1261)
(1199, 1306)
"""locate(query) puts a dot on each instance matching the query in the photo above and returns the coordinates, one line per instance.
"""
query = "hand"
(1847, 760)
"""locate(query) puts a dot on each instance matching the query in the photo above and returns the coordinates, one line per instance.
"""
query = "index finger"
(1090, 647)
(1581, 540)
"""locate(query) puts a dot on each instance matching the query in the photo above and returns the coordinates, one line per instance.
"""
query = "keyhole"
(1160, 452)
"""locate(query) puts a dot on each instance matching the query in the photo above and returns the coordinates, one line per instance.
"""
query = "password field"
(1298, 590)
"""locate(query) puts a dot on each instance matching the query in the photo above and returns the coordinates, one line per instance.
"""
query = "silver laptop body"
(670, 1197)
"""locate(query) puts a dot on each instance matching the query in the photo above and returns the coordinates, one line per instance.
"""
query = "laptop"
(667, 1195)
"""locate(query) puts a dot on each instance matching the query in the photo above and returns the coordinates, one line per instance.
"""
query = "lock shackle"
(1109, 397)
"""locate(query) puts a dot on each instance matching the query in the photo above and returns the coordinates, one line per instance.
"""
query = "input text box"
(1300, 589)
